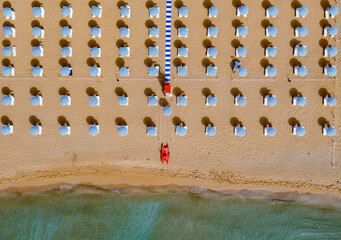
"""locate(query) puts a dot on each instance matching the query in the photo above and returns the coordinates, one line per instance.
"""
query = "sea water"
(113, 215)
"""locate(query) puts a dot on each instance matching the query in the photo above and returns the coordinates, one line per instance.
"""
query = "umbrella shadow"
(323, 122)
(207, 4)
(265, 43)
(207, 62)
(120, 121)
(177, 62)
(324, 23)
(207, 23)
(294, 93)
(63, 62)
(36, 4)
(294, 62)
(90, 91)
(6, 121)
(148, 122)
(294, 42)
(34, 91)
(63, 23)
(178, 4)
(206, 121)
(265, 23)
(64, 43)
(120, 92)
(35, 62)
(6, 91)
(293, 122)
(63, 91)
(323, 62)
(295, 24)
(164, 102)
(323, 43)
(235, 43)
(266, 4)
(264, 63)
(179, 24)
(92, 23)
(62, 121)
(325, 4)
(6, 62)
(93, 3)
(235, 122)
(296, 4)
(149, 92)
(149, 43)
(177, 121)
(235, 92)
(34, 120)
(64, 4)
(178, 44)
(90, 120)
(6, 43)
(178, 91)
(150, 4)
(265, 92)
(207, 43)
(92, 43)
(121, 3)
(264, 121)
(323, 93)
(207, 92)
(236, 23)
(120, 62)
(6, 4)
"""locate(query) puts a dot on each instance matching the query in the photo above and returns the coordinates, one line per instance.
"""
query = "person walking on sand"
(236, 66)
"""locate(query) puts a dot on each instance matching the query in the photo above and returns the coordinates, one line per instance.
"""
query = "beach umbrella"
(212, 51)
(94, 52)
(124, 32)
(7, 31)
(272, 51)
(123, 130)
(241, 101)
(66, 11)
(331, 101)
(243, 10)
(124, 52)
(6, 100)
(123, 101)
(332, 51)
(182, 52)
(124, 11)
(331, 131)
(273, 11)
(240, 131)
(242, 31)
(334, 11)
(182, 71)
(242, 72)
(34, 130)
(65, 100)
(93, 130)
(6, 71)
(167, 111)
(302, 31)
(93, 71)
(7, 12)
(211, 131)
(301, 101)
(64, 130)
(65, 31)
(183, 32)
(36, 51)
(213, 11)
(213, 31)
(272, 72)
(65, 51)
(35, 101)
(36, 31)
(95, 11)
(271, 131)
(65, 71)
(332, 71)
(272, 31)
(300, 131)
(153, 32)
(36, 11)
(212, 101)
(211, 71)
(6, 51)
(303, 11)
(151, 131)
(153, 71)
(124, 71)
(152, 100)
(181, 131)
(95, 31)
(272, 101)
(153, 51)
(182, 101)
(333, 31)
(302, 71)
(153, 11)
(35, 71)
(242, 51)
(93, 101)
(183, 11)
(5, 130)
(302, 51)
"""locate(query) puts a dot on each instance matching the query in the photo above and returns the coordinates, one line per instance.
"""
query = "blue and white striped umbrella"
(124, 52)
(6, 100)
(211, 131)
(212, 51)
(36, 11)
(123, 130)
(243, 10)
(332, 71)
(93, 71)
(93, 130)
(63, 130)
(183, 11)
(95, 11)
(333, 31)
(331, 131)
(93, 101)
(272, 31)
(182, 71)
(213, 11)
(182, 101)
(151, 131)
(95, 31)
(272, 101)
(64, 100)
(181, 131)
(36, 71)
(302, 71)
(273, 11)
(302, 51)
(242, 31)
(241, 101)
(153, 11)
(240, 131)
(123, 101)
(183, 32)
(182, 52)
(167, 111)
(301, 101)
(65, 51)
(6, 51)
(302, 31)
(124, 11)
(34, 130)
(213, 31)
(5, 130)
(212, 101)
(65, 71)
(242, 72)
(303, 11)
(124, 32)
(300, 131)
(35, 101)
(272, 72)
(65, 31)
(272, 51)
(36, 51)
(66, 11)
(6, 71)
(153, 51)
(7, 12)
(242, 51)
(331, 101)
(152, 101)
(153, 32)
(332, 51)
(271, 131)
(94, 52)
(124, 71)
(153, 71)
(334, 10)
(7, 31)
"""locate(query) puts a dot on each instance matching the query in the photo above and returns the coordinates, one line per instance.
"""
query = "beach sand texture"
(255, 158)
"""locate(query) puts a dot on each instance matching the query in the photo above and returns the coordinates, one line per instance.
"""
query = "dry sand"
(255, 160)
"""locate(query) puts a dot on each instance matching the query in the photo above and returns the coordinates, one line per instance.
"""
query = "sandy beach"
(284, 162)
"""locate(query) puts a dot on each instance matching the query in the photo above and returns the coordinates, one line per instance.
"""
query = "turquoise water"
(161, 216)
